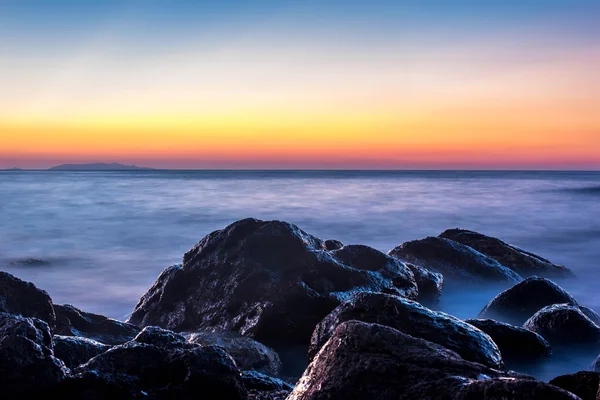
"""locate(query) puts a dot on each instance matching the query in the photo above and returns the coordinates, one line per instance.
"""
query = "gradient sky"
(301, 84)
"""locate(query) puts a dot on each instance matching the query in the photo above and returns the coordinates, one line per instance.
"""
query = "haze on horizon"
(451, 84)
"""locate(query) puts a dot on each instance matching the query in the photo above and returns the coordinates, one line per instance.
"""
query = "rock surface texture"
(25, 299)
(585, 384)
(74, 351)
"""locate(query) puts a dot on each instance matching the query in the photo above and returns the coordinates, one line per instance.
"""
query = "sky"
(423, 84)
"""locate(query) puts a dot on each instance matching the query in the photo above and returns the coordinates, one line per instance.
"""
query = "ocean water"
(107, 235)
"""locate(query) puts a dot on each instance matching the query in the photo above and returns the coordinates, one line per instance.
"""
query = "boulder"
(372, 361)
(591, 314)
(27, 369)
(160, 337)
(522, 262)
(585, 384)
(596, 364)
(71, 321)
(265, 279)
(430, 284)
(413, 319)
(457, 262)
(74, 351)
(517, 304)
(516, 344)
(24, 298)
(332, 244)
(254, 380)
(565, 325)
(33, 329)
(160, 372)
(512, 389)
(247, 353)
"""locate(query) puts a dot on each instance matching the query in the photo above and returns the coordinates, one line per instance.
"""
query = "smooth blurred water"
(108, 235)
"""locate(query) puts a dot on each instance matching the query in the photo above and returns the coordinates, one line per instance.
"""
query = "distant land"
(12, 169)
(97, 167)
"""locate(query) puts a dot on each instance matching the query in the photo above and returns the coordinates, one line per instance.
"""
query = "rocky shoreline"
(264, 310)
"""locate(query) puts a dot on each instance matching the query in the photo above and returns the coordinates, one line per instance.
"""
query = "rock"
(71, 321)
(517, 304)
(584, 384)
(92, 385)
(430, 284)
(160, 337)
(372, 361)
(23, 298)
(522, 262)
(265, 279)
(413, 319)
(26, 368)
(512, 389)
(516, 344)
(74, 351)
(591, 314)
(30, 262)
(169, 373)
(247, 353)
(454, 260)
(332, 244)
(33, 329)
(596, 364)
(254, 380)
(565, 325)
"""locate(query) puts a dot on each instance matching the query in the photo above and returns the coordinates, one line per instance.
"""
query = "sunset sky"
(301, 84)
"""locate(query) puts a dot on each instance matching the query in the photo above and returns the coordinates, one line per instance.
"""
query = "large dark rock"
(33, 329)
(265, 279)
(413, 319)
(160, 337)
(522, 262)
(247, 353)
(430, 284)
(163, 373)
(332, 244)
(454, 260)
(511, 389)
(74, 351)
(372, 361)
(71, 321)
(23, 298)
(565, 325)
(516, 344)
(254, 380)
(26, 368)
(591, 314)
(585, 384)
(517, 304)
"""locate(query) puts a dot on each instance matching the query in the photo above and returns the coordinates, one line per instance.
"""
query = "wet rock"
(247, 353)
(265, 279)
(517, 304)
(585, 384)
(71, 321)
(254, 380)
(23, 298)
(591, 314)
(430, 284)
(413, 319)
(454, 260)
(522, 262)
(332, 244)
(160, 337)
(565, 325)
(30, 262)
(164, 373)
(372, 361)
(516, 344)
(74, 351)
(26, 368)
(33, 329)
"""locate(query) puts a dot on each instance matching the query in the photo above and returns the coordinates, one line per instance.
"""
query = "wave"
(590, 190)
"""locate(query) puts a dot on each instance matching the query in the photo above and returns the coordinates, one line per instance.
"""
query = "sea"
(106, 235)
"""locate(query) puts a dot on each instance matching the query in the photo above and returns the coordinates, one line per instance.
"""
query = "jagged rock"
(516, 344)
(565, 325)
(332, 244)
(247, 353)
(585, 384)
(26, 368)
(23, 298)
(33, 329)
(372, 361)
(454, 260)
(517, 304)
(163, 373)
(71, 321)
(74, 351)
(265, 279)
(430, 284)
(254, 380)
(413, 319)
(522, 262)
(160, 337)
